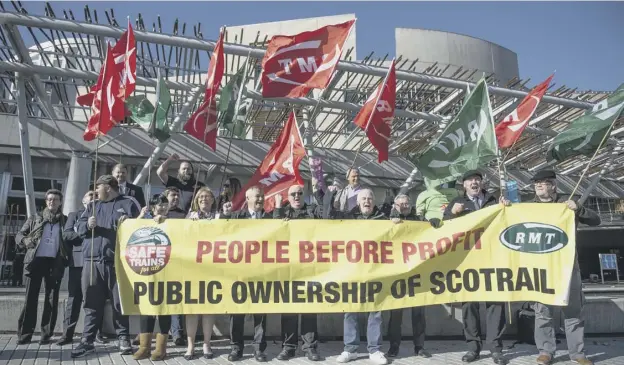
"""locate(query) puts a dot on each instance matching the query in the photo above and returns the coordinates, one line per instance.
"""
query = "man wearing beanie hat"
(99, 282)
(475, 198)
(545, 183)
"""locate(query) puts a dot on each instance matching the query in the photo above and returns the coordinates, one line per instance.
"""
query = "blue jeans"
(177, 326)
(352, 332)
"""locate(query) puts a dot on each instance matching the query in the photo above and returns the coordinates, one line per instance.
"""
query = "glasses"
(226, 185)
(542, 182)
(297, 193)
(53, 199)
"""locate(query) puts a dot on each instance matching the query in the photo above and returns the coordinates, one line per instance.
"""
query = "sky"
(582, 41)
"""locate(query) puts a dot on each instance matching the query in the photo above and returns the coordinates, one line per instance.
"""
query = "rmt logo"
(534, 238)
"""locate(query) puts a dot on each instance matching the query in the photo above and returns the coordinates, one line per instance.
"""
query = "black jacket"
(355, 213)
(308, 211)
(29, 237)
(469, 206)
(102, 246)
(244, 214)
(136, 192)
(582, 214)
(73, 238)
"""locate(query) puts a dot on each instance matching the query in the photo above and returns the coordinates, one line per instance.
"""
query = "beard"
(185, 178)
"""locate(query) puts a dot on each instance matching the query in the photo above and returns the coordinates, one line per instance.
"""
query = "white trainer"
(378, 358)
(346, 357)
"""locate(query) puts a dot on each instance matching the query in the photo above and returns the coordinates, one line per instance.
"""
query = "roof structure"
(34, 44)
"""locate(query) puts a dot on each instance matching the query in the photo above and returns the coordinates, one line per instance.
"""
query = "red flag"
(280, 168)
(292, 65)
(124, 53)
(203, 123)
(376, 116)
(107, 106)
(511, 127)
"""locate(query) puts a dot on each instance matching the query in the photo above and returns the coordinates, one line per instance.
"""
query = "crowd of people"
(86, 241)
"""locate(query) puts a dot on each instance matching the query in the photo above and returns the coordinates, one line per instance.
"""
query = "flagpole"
(201, 158)
(370, 117)
(604, 138)
(236, 109)
(152, 129)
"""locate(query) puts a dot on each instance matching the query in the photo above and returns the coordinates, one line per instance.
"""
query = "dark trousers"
(419, 325)
(495, 325)
(177, 326)
(102, 286)
(147, 323)
(237, 329)
(17, 277)
(74, 301)
(42, 269)
(290, 331)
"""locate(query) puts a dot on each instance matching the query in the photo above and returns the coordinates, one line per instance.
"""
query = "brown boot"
(136, 340)
(544, 359)
(583, 361)
(161, 347)
(145, 344)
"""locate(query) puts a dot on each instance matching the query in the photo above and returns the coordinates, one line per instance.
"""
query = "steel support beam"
(22, 113)
(177, 123)
(596, 179)
(241, 50)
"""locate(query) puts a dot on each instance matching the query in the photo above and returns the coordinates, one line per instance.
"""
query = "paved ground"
(603, 351)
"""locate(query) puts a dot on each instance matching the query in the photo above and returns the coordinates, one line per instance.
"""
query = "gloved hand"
(435, 222)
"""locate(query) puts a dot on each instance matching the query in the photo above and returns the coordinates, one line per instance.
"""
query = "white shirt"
(352, 194)
(477, 200)
(122, 188)
(254, 214)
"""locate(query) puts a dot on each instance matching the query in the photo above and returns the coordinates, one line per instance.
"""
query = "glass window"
(42, 185)
(17, 183)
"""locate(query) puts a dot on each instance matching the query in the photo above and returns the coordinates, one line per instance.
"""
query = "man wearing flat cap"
(475, 198)
(99, 282)
(545, 183)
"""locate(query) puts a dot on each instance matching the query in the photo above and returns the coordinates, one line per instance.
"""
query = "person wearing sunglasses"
(298, 209)
(231, 187)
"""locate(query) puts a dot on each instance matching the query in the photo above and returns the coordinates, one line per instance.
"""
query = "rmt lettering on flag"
(293, 65)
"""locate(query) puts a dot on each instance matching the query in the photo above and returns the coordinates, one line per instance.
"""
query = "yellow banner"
(520, 253)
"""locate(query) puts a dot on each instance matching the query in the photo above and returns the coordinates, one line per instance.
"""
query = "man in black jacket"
(46, 258)
(254, 210)
(74, 287)
(184, 181)
(120, 172)
(365, 209)
(546, 192)
(403, 211)
(298, 209)
(475, 198)
(99, 281)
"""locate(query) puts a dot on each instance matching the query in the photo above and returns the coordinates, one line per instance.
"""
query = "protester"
(546, 192)
(475, 198)
(173, 197)
(231, 187)
(254, 197)
(365, 209)
(185, 181)
(203, 207)
(120, 172)
(74, 286)
(298, 209)
(432, 202)
(158, 209)
(402, 211)
(99, 279)
(345, 199)
(46, 257)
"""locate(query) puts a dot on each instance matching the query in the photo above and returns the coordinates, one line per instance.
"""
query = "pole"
(177, 122)
(29, 191)
(603, 170)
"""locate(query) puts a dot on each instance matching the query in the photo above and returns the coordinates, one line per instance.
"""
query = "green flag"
(584, 134)
(466, 143)
(153, 120)
(233, 110)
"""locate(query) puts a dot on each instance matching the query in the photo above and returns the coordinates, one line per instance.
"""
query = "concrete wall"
(445, 48)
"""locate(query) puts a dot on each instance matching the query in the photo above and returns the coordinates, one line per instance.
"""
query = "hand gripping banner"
(520, 253)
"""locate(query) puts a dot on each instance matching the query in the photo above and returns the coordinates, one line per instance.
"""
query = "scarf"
(50, 217)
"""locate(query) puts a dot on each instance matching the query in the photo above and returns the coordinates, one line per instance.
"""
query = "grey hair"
(365, 190)
(401, 196)
(254, 188)
(349, 171)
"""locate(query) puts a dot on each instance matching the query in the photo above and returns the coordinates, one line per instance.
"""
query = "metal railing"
(11, 263)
